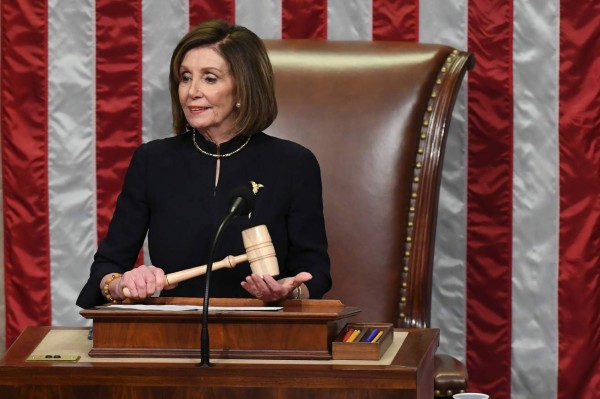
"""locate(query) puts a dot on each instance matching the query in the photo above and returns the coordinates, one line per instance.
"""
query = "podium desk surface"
(409, 375)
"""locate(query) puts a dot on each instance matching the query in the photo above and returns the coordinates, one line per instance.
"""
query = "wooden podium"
(176, 373)
(302, 329)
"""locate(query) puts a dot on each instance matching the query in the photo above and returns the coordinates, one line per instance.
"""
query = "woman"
(177, 189)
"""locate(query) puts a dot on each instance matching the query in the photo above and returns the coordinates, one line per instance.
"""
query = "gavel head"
(260, 251)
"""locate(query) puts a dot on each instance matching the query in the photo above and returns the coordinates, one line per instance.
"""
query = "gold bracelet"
(299, 292)
(107, 294)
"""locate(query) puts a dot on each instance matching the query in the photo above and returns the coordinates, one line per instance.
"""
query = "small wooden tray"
(360, 348)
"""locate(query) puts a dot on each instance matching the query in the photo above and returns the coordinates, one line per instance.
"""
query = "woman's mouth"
(197, 109)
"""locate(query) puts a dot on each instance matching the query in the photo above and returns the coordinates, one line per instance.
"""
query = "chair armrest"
(450, 376)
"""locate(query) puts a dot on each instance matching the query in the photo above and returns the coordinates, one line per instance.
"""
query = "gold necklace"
(218, 156)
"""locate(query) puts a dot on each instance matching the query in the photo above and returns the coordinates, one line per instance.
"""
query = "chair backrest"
(376, 115)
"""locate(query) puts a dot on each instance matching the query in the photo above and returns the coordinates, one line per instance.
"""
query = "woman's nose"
(195, 89)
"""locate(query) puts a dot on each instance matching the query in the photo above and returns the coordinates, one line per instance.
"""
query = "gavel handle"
(182, 275)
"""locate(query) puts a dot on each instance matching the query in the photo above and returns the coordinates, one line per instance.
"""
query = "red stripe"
(579, 234)
(489, 197)
(306, 19)
(396, 20)
(118, 98)
(202, 10)
(24, 165)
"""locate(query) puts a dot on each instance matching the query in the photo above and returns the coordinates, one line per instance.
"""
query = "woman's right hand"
(141, 282)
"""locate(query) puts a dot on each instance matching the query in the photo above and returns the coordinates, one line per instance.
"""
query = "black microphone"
(241, 203)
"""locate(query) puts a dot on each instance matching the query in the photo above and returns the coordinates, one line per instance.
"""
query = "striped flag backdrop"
(517, 270)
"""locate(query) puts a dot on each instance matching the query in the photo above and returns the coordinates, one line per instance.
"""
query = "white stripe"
(71, 153)
(535, 200)
(446, 23)
(163, 25)
(349, 19)
(262, 17)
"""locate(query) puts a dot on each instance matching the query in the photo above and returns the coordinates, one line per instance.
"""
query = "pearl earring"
(237, 105)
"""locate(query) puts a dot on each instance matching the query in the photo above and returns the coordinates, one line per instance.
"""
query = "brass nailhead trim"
(421, 150)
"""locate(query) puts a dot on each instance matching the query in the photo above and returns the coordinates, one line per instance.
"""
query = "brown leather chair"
(376, 115)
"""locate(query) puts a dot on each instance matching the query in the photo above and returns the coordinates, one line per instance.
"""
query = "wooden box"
(360, 348)
(302, 329)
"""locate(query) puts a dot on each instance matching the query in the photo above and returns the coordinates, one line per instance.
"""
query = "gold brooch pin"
(255, 186)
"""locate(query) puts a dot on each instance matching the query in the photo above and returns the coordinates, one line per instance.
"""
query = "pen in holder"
(362, 341)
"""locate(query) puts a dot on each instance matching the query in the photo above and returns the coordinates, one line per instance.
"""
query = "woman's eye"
(210, 79)
(186, 77)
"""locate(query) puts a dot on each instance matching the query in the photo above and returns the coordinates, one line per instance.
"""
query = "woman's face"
(207, 92)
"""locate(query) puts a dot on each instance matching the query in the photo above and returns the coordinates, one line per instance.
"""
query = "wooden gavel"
(260, 253)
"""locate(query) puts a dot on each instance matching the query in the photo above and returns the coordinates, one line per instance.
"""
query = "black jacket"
(169, 192)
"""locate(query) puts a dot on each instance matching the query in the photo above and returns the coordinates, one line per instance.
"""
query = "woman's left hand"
(268, 289)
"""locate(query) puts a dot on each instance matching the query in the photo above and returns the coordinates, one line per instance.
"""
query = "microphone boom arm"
(204, 337)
